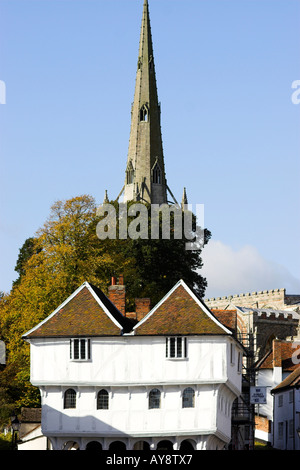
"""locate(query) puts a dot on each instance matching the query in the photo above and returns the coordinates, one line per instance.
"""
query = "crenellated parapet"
(276, 299)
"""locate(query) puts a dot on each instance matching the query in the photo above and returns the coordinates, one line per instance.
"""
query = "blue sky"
(230, 129)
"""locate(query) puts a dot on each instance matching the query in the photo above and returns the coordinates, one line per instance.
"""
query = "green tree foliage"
(25, 253)
(63, 254)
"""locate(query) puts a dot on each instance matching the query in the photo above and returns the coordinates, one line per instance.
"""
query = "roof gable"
(292, 380)
(180, 312)
(87, 312)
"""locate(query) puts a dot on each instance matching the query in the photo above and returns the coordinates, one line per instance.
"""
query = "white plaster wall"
(129, 413)
(133, 360)
(129, 367)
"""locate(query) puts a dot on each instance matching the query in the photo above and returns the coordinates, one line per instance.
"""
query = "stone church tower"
(145, 178)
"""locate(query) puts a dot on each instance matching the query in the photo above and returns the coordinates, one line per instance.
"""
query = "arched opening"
(70, 445)
(93, 445)
(156, 174)
(129, 173)
(144, 113)
(269, 343)
(117, 446)
(165, 445)
(187, 446)
(141, 445)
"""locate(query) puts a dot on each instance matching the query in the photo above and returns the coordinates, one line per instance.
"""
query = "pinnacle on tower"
(145, 171)
(184, 200)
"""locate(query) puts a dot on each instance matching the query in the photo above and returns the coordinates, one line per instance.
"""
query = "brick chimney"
(142, 307)
(117, 293)
(276, 353)
(277, 363)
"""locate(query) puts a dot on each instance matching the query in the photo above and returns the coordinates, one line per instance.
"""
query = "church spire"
(145, 172)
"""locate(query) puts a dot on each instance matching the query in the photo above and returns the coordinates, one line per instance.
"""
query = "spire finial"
(184, 201)
(106, 200)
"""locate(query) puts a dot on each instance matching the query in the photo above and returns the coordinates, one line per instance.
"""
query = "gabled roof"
(87, 312)
(180, 312)
(292, 380)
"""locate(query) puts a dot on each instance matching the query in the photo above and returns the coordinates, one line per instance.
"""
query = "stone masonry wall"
(269, 298)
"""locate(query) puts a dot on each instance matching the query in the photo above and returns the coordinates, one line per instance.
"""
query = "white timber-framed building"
(165, 382)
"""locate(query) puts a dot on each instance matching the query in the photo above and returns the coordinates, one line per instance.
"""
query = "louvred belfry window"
(144, 113)
(156, 174)
(129, 173)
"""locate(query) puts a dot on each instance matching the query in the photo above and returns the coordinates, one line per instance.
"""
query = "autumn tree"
(65, 252)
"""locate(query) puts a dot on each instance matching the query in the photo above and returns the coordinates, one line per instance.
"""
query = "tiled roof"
(180, 312)
(87, 312)
(292, 380)
(226, 317)
(287, 351)
(31, 415)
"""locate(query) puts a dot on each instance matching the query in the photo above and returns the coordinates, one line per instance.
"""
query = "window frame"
(154, 400)
(105, 403)
(232, 353)
(176, 348)
(188, 398)
(80, 349)
(70, 400)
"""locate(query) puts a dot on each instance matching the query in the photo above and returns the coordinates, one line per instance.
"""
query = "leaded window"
(176, 347)
(188, 398)
(70, 398)
(154, 398)
(102, 400)
(80, 349)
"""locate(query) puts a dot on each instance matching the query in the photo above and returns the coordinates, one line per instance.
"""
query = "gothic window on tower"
(130, 173)
(144, 113)
(156, 174)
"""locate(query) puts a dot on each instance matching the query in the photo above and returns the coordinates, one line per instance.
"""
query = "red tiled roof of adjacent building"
(286, 350)
(87, 312)
(180, 313)
(226, 317)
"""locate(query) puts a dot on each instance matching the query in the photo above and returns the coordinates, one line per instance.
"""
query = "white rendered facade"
(287, 419)
(128, 367)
